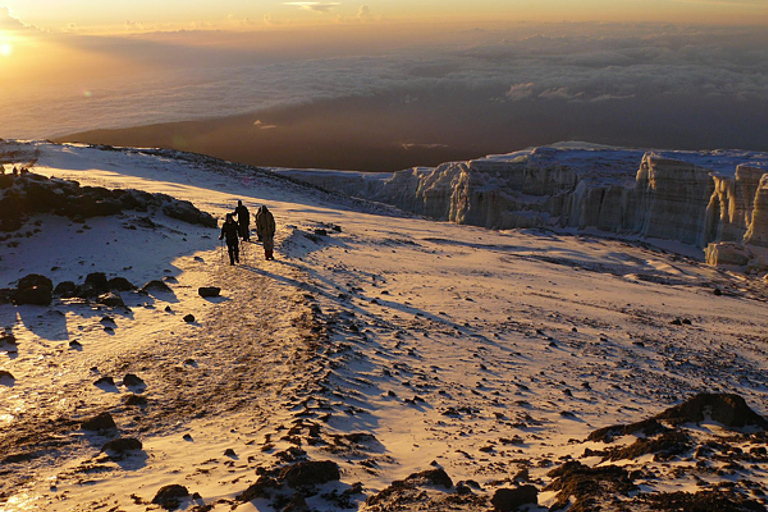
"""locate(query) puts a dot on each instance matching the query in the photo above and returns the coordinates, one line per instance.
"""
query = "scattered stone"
(111, 299)
(581, 487)
(209, 291)
(65, 290)
(132, 380)
(34, 289)
(157, 286)
(170, 496)
(122, 445)
(310, 473)
(510, 500)
(189, 318)
(135, 401)
(100, 423)
(75, 344)
(6, 378)
(121, 284)
(105, 381)
(229, 452)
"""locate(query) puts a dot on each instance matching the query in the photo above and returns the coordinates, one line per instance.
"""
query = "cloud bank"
(635, 85)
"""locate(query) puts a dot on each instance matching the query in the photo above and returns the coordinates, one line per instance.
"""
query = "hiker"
(243, 220)
(229, 231)
(265, 228)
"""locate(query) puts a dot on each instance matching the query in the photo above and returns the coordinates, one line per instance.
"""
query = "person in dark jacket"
(229, 232)
(243, 220)
(265, 227)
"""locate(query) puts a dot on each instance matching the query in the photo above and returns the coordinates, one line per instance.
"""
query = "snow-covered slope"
(385, 344)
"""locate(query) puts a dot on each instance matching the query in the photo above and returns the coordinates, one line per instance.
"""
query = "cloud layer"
(615, 84)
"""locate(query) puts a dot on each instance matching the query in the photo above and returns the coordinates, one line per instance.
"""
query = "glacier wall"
(697, 198)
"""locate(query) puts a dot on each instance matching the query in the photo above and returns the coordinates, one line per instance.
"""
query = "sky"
(691, 73)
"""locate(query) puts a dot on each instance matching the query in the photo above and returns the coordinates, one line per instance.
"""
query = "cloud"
(8, 22)
(318, 7)
(519, 92)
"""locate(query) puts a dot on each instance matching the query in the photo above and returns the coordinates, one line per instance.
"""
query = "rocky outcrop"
(28, 194)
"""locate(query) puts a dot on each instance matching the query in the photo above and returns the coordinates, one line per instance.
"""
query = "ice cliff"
(697, 198)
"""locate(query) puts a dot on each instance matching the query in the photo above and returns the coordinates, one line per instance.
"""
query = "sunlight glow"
(5, 49)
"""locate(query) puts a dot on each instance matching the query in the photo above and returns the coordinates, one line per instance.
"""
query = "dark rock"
(111, 299)
(229, 452)
(7, 338)
(436, 477)
(105, 381)
(321, 232)
(132, 380)
(169, 497)
(6, 377)
(65, 289)
(704, 501)
(135, 401)
(36, 296)
(34, 289)
(122, 445)
(209, 291)
(187, 212)
(99, 423)
(260, 489)
(189, 318)
(31, 280)
(120, 284)
(510, 500)
(585, 485)
(727, 409)
(310, 473)
(156, 285)
(298, 503)
(97, 281)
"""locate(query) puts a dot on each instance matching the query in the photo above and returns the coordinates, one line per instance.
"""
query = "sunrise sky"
(567, 68)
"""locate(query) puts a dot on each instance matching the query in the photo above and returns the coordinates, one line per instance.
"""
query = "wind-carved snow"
(387, 344)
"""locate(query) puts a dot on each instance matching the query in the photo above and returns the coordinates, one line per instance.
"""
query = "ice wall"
(696, 198)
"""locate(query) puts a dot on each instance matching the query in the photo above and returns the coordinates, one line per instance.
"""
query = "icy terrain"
(699, 198)
(386, 344)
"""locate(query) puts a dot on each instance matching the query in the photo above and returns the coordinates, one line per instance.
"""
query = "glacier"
(716, 200)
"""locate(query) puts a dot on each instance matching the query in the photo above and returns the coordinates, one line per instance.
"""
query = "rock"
(310, 473)
(111, 299)
(727, 409)
(510, 500)
(579, 486)
(321, 232)
(187, 212)
(122, 445)
(6, 378)
(65, 289)
(132, 380)
(209, 291)
(156, 285)
(7, 338)
(36, 295)
(99, 423)
(135, 401)
(170, 496)
(229, 452)
(34, 289)
(436, 477)
(105, 381)
(97, 281)
(189, 318)
(120, 284)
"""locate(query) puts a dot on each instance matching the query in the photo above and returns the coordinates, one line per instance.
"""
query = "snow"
(442, 341)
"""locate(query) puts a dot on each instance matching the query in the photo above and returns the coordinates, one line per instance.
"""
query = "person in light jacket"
(265, 228)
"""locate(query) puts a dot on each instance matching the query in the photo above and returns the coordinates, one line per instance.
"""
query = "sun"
(5, 49)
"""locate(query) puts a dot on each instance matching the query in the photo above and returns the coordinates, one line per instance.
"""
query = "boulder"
(6, 377)
(310, 473)
(725, 408)
(35, 295)
(122, 445)
(209, 291)
(65, 289)
(98, 282)
(727, 254)
(120, 284)
(189, 318)
(31, 280)
(132, 380)
(111, 299)
(510, 500)
(169, 496)
(156, 285)
(100, 423)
